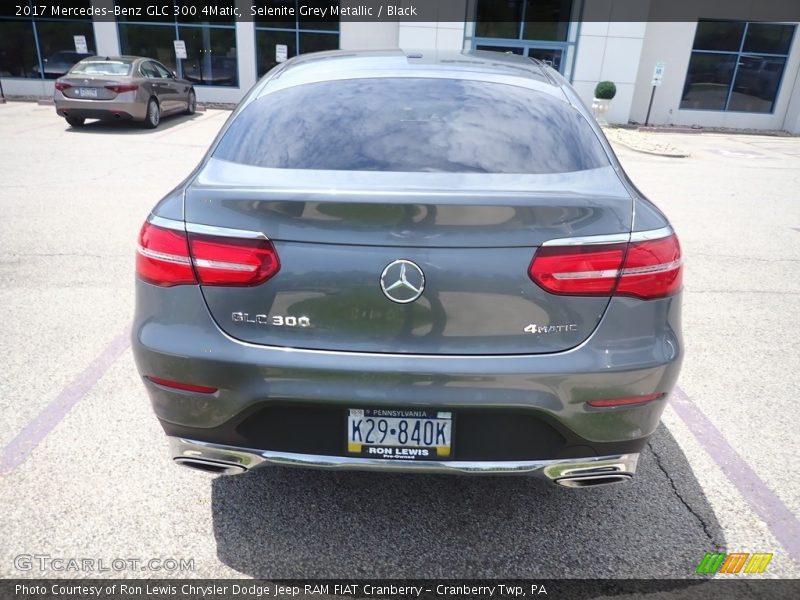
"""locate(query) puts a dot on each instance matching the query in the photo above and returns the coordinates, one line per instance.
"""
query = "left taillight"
(168, 257)
(162, 257)
(233, 261)
(61, 86)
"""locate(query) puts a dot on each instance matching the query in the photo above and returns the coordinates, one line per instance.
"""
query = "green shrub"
(605, 90)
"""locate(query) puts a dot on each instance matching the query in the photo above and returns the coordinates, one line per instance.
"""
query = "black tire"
(191, 104)
(153, 116)
(75, 121)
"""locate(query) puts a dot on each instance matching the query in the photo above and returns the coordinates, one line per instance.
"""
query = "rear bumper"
(100, 109)
(516, 410)
(590, 471)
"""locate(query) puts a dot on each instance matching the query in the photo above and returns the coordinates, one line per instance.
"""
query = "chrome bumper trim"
(554, 470)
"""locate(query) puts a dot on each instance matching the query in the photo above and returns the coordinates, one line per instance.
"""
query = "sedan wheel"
(153, 117)
(191, 104)
(75, 121)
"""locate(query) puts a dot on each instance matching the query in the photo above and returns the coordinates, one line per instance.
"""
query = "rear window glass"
(97, 67)
(415, 125)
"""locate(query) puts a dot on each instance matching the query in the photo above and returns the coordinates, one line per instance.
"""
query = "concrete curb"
(669, 130)
(622, 137)
(652, 152)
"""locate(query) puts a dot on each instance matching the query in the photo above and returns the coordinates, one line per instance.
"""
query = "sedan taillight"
(644, 269)
(61, 86)
(121, 89)
(167, 257)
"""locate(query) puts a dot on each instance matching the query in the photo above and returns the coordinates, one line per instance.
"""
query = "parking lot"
(84, 471)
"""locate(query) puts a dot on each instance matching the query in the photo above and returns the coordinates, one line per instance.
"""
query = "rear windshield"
(412, 124)
(102, 67)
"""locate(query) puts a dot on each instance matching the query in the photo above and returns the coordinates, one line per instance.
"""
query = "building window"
(736, 66)
(43, 48)
(293, 36)
(542, 29)
(210, 43)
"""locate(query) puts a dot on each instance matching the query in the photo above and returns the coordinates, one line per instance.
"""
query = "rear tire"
(153, 116)
(191, 103)
(75, 121)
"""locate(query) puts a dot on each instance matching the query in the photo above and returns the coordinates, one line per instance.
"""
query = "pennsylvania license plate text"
(399, 434)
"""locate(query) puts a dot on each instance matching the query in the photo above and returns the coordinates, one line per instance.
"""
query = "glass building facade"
(32, 47)
(719, 71)
(542, 29)
(299, 35)
(737, 66)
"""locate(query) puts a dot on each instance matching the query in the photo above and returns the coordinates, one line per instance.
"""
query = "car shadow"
(129, 127)
(287, 523)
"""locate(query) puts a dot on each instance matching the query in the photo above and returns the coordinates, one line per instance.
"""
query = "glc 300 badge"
(274, 320)
(402, 281)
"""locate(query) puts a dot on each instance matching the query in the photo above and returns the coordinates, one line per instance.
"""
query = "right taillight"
(644, 269)
(168, 257)
(653, 269)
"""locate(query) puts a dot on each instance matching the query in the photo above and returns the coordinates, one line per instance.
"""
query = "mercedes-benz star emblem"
(402, 281)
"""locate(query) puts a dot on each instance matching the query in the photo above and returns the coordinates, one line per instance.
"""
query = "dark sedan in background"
(122, 88)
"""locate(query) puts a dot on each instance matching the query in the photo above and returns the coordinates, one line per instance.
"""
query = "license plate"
(399, 434)
(87, 92)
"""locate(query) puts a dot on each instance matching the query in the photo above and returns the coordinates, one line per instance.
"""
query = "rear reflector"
(178, 385)
(62, 86)
(607, 402)
(121, 89)
(647, 269)
(167, 257)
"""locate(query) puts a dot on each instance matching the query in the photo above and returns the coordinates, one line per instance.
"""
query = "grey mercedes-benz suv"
(410, 261)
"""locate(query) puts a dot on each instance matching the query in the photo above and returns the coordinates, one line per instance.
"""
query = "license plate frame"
(442, 422)
(87, 92)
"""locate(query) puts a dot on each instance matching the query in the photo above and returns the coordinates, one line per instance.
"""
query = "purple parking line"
(781, 521)
(15, 453)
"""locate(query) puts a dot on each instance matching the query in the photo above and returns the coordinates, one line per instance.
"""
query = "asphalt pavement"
(84, 470)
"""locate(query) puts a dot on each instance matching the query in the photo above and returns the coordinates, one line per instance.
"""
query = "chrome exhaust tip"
(210, 466)
(591, 473)
(593, 480)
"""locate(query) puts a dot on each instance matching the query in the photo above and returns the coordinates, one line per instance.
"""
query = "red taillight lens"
(233, 261)
(61, 86)
(167, 257)
(179, 385)
(647, 269)
(577, 270)
(608, 402)
(162, 257)
(121, 89)
(653, 269)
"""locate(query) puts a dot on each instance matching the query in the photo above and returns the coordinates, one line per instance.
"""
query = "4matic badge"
(566, 327)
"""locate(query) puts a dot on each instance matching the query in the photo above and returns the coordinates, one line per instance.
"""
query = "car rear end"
(438, 270)
(101, 89)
